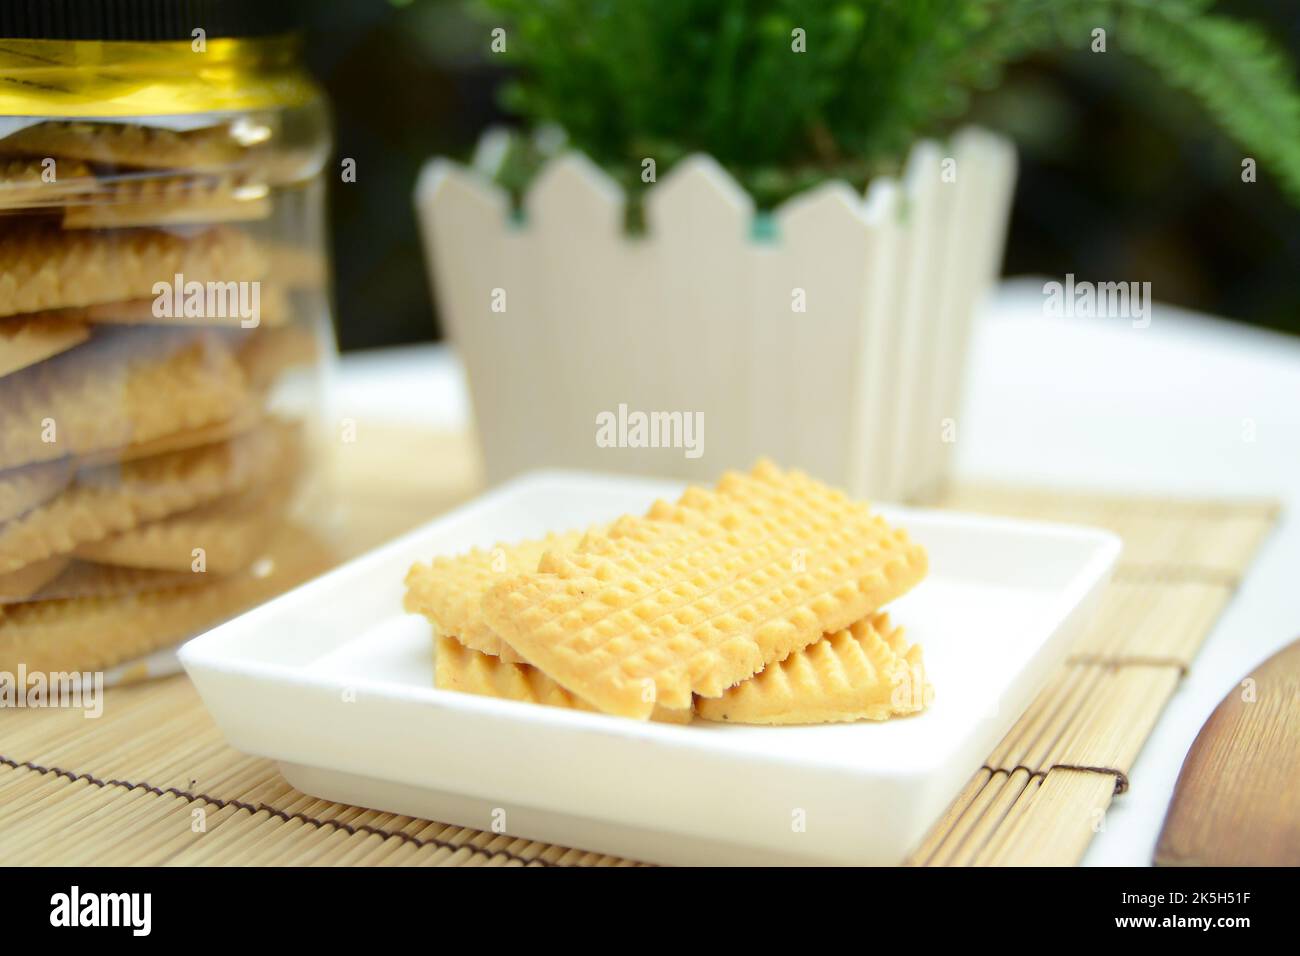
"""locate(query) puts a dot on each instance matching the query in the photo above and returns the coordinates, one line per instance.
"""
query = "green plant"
(629, 79)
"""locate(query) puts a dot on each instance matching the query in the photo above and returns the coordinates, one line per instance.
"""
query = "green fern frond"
(1242, 80)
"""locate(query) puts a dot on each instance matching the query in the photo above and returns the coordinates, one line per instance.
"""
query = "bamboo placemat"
(153, 782)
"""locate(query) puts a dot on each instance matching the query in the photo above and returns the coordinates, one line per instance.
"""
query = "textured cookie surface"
(222, 537)
(471, 672)
(108, 499)
(93, 633)
(273, 304)
(126, 144)
(43, 268)
(26, 180)
(866, 671)
(30, 579)
(127, 387)
(170, 200)
(449, 590)
(25, 341)
(82, 579)
(22, 489)
(246, 418)
(705, 593)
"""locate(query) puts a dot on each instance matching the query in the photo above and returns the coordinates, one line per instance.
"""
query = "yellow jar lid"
(101, 78)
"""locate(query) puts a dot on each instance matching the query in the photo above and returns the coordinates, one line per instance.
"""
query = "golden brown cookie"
(122, 388)
(223, 537)
(170, 201)
(95, 633)
(26, 340)
(245, 419)
(459, 668)
(274, 309)
(864, 672)
(659, 614)
(43, 268)
(127, 144)
(109, 499)
(25, 181)
(449, 590)
(27, 581)
(22, 489)
(83, 579)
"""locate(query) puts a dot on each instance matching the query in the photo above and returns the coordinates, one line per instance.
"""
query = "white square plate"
(335, 682)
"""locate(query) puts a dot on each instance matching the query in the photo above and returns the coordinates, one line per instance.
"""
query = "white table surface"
(1079, 403)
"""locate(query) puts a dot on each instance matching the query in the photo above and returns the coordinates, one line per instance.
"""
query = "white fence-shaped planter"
(562, 319)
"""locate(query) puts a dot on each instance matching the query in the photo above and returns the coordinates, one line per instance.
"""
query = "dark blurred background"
(1120, 177)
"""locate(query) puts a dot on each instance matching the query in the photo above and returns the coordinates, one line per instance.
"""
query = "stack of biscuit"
(146, 489)
(759, 601)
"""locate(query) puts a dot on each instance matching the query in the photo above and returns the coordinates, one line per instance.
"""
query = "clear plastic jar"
(164, 328)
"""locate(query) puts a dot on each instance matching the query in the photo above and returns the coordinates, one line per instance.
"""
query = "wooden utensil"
(1237, 800)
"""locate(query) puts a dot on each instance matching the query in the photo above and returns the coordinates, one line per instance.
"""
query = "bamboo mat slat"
(1043, 793)
(153, 782)
(1207, 540)
(1153, 621)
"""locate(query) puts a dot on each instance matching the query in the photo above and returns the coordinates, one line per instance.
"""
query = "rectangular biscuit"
(25, 181)
(246, 418)
(95, 633)
(231, 534)
(703, 594)
(125, 387)
(109, 499)
(170, 200)
(449, 590)
(82, 579)
(43, 268)
(274, 309)
(460, 668)
(866, 671)
(22, 489)
(25, 340)
(863, 672)
(210, 148)
(29, 580)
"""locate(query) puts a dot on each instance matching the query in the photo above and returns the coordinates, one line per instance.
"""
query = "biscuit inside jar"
(164, 322)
